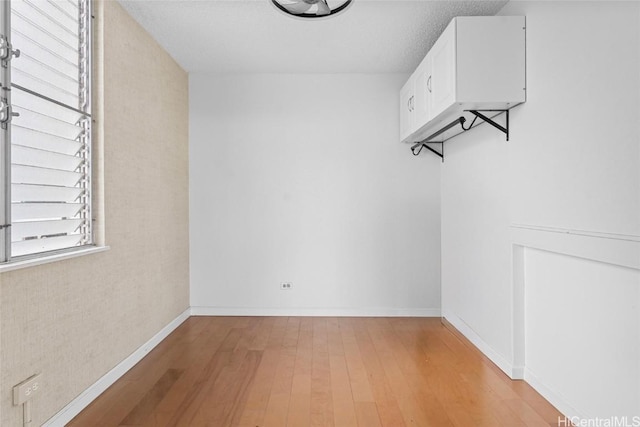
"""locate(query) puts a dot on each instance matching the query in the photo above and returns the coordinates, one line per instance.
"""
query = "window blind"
(51, 136)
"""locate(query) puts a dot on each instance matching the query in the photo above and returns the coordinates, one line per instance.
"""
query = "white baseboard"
(555, 399)
(517, 372)
(86, 397)
(320, 312)
(514, 372)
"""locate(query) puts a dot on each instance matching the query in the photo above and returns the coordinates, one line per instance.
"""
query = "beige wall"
(74, 320)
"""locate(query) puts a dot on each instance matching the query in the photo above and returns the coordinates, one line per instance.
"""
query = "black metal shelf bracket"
(424, 145)
(417, 147)
(503, 129)
(429, 140)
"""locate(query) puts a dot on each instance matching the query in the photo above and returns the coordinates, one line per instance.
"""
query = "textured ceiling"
(252, 36)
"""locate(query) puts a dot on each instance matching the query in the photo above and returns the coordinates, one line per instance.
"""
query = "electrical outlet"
(286, 286)
(26, 389)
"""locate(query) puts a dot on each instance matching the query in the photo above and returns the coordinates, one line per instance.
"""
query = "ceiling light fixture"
(311, 8)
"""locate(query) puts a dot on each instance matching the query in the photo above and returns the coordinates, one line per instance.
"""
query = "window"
(45, 127)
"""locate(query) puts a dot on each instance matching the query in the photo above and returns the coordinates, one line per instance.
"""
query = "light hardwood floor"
(304, 371)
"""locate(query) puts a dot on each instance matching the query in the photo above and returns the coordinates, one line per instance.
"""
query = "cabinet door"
(422, 111)
(406, 109)
(443, 75)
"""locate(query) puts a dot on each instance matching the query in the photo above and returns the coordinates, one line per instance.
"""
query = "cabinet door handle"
(429, 84)
(409, 104)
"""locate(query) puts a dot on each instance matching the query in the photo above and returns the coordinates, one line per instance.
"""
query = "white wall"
(567, 184)
(301, 178)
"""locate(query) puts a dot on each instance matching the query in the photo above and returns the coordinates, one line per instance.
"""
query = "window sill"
(51, 258)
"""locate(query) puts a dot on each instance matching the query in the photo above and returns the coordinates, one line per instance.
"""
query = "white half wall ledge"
(513, 372)
(315, 312)
(617, 249)
(83, 400)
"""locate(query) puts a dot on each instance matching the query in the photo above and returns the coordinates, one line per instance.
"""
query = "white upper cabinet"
(442, 81)
(415, 100)
(407, 121)
(478, 63)
(422, 92)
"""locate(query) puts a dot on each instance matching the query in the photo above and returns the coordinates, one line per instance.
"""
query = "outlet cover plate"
(27, 389)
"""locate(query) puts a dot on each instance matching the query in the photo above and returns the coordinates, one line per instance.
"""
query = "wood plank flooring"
(305, 371)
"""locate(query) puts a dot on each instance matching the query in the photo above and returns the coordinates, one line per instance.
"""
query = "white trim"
(588, 233)
(67, 413)
(320, 312)
(555, 399)
(514, 372)
(32, 262)
(518, 316)
(616, 249)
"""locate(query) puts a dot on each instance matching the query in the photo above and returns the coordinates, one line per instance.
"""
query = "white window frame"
(7, 52)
